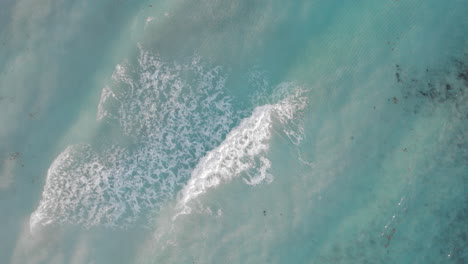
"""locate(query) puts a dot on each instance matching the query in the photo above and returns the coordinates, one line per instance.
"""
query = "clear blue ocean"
(209, 131)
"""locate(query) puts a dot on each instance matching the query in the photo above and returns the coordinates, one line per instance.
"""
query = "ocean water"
(238, 131)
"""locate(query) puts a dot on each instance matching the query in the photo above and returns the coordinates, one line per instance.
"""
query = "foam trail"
(106, 94)
(244, 150)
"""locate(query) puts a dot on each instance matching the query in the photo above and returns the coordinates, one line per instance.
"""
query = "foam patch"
(175, 114)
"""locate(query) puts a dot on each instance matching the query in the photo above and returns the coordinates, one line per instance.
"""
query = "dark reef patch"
(398, 73)
(447, 85)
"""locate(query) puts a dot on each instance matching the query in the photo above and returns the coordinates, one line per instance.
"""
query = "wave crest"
(245, 149)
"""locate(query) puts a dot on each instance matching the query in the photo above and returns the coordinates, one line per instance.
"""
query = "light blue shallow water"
(233, 131)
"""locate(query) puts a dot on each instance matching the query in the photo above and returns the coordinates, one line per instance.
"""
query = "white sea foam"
(245, 149)
(174, 112)
(148, 20)
(105, 97)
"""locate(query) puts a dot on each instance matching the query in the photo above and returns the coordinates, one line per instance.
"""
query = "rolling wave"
(245, 149)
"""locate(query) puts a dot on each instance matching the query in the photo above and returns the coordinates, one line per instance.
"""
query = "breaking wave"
(245, 148)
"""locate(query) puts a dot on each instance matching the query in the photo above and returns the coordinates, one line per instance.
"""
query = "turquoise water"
(233, 131)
